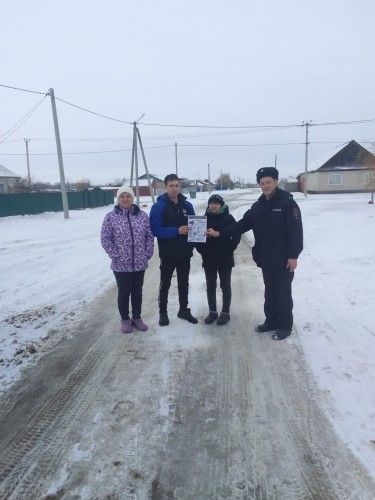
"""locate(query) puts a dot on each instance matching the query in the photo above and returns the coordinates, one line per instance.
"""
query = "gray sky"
(237, 63)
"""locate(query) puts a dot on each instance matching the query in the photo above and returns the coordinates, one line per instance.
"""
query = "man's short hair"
(170, 178)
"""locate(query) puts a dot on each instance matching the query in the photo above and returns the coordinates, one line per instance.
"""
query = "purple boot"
(126, 326)
(139, 325)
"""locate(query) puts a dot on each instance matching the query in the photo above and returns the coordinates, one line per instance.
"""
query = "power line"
(232, 127)
(149, 138)
(238, 145)
(86, 152)
(337, 144)
(23, 90)
(158, 124)
(93, 112)
(20, 122)
(351, 122)
(241, 127)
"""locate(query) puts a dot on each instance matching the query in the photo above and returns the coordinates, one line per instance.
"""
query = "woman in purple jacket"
(126, 237)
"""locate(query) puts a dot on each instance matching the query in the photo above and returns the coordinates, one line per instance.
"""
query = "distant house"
(207, 185)
(200, 185)
(157, 185)
(289, 184)
(8, 179)
(350, 170)
(188, 186)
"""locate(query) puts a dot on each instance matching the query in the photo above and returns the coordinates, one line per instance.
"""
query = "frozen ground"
(51, 269)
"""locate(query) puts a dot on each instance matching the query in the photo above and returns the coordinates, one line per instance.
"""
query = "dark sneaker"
(212, 316)
(281, 334)
(139, 325)
(126, 326)
(265, 328)
(163, 319)
(223, 319)
(187, 315)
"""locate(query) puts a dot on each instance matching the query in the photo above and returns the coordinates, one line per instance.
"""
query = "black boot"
(265, 327)
(163, 319)
(212, 316)
(223, 319)
(187, 315)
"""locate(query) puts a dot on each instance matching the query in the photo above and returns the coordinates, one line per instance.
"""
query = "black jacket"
(217, 253)
(277, 227)
(165, 219)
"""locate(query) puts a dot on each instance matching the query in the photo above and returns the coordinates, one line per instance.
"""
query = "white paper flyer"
(197, 228)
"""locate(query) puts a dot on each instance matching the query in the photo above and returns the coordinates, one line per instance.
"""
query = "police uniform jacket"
(277, 227)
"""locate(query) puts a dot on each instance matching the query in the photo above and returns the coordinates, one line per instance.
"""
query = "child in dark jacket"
(217, 259)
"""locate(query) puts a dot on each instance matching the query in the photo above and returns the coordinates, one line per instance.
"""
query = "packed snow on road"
(195, 411)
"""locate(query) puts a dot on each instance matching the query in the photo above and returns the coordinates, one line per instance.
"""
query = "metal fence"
(37, 203)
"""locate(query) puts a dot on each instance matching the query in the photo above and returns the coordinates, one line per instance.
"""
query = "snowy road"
(203, 412)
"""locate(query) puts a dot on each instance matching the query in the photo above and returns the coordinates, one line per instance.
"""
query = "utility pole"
(306, 125)
(136, 139)
(59, 155)
(275, 161)
(28, 163)
(175, 150)
(221, 179)
(209, 179)
(145, 164)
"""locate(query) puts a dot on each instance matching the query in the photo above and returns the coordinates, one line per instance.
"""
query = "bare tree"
(225, 181)
(21, 186)
(117, 182)
(81, 184)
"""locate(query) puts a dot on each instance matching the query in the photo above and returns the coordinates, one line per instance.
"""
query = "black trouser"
(129, 285)
(225, 285)
(278, 302)
(167, 267)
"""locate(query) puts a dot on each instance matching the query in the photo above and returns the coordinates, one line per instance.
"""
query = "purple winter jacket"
(127, 239)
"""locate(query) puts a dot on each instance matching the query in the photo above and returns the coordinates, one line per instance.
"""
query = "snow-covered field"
(50, 268)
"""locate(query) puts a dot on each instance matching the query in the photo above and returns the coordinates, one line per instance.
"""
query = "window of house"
(2, 188)
(334, 179)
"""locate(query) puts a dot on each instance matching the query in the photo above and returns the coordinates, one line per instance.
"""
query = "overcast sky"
(214, 63)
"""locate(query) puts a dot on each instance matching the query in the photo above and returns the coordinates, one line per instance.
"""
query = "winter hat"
(267, 172)
(216, 198)
(125, 189)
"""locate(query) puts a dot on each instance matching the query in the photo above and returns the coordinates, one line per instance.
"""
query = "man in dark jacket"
(275, 219)
(169, 223)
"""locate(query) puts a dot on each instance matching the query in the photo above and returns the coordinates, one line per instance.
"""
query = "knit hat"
(216, 198)
(125, 189)
(267, 172)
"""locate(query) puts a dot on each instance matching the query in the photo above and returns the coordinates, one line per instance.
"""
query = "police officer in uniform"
(275, 219)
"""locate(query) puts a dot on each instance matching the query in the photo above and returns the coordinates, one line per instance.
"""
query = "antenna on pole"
(307, 125)
(137, 139)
